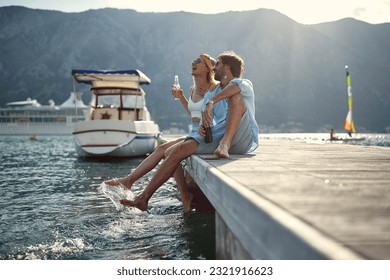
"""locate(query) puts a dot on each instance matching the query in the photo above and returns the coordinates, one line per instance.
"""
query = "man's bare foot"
(137, 203)
(187, 202)
(118, 182)
(222, 151)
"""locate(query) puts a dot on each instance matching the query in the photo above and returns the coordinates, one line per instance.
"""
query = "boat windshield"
(114, 101)
(109, 101)
(133, 101)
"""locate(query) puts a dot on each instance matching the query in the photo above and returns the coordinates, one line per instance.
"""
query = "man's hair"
(235, 62)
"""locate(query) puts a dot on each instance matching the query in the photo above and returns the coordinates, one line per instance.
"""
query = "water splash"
(68, 246)
(115, 194)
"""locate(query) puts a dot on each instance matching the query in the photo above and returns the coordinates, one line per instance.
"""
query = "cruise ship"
(29, 117)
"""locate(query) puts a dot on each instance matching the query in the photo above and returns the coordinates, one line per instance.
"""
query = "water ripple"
(53, 206)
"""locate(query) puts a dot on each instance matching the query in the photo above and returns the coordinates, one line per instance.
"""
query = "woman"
(203, 76)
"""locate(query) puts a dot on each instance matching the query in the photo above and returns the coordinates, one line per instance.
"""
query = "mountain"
(297, 70)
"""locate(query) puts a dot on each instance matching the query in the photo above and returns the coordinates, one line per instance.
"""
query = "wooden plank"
(340, 191)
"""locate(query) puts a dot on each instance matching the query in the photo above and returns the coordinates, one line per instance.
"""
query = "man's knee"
(236, 103)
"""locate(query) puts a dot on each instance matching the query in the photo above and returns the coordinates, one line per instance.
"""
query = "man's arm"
(227, 92)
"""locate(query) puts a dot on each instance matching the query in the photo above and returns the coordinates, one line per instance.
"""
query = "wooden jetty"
(296, 200)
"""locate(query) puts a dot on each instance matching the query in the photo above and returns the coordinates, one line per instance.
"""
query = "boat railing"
(41, 119)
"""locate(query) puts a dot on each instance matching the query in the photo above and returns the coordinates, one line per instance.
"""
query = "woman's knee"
(182, 150)
(163, 147)
(159, 151)
(167, 151)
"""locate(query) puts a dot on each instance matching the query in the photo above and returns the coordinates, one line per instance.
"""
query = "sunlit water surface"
(363, 139)
(53, 205)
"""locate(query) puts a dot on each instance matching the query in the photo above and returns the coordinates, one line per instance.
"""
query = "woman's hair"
(235, 62)
(210, 63)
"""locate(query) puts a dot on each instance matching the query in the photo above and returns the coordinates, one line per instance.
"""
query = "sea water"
(53, 205)
(362, 139)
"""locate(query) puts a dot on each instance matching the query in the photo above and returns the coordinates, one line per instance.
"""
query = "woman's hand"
(177, 93)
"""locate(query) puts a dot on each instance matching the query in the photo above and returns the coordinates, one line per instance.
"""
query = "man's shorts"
(242, 140)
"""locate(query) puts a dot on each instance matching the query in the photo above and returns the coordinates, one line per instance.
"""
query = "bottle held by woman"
(176, 90)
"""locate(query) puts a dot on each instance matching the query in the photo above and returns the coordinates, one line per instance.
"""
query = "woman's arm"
(180, 94)
(184, 102)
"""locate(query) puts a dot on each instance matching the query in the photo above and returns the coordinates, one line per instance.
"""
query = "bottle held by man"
(208, 138)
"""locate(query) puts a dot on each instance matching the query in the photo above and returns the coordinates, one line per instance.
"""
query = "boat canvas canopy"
(103, 78)
(115, 84)
(110, 89)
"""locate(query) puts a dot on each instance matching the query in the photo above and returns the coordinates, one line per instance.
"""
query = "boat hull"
(115, 138)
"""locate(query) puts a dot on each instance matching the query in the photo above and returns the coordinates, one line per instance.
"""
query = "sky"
(302, 11)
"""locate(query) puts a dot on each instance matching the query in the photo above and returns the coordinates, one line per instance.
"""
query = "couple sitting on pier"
(227, 107)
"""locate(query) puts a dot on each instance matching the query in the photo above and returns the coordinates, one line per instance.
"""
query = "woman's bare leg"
(145, 166)
(174, 156)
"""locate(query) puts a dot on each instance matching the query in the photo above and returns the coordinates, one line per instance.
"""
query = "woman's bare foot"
(119, 182)
(222, 151)
(137, 203)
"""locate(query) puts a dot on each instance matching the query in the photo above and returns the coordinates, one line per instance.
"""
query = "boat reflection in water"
(119, 123)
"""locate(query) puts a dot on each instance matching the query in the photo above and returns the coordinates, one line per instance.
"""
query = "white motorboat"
(119, 123)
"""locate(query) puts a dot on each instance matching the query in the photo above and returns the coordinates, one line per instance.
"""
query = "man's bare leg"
(174, 156)
(236, 110)
(186, 196)
(145, 166)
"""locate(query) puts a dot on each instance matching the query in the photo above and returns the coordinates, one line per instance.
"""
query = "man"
(239, 134)
(234, 128)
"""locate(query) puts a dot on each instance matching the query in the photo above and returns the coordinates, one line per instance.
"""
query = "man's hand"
(202, 131)
(208, 114)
